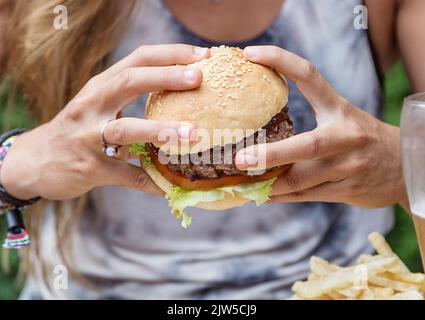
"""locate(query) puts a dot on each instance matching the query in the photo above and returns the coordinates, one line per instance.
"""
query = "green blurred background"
(402, 238)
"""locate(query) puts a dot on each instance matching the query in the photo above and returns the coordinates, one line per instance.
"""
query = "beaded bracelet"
(11, 207)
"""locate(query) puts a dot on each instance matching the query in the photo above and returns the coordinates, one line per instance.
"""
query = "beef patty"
(278, 128)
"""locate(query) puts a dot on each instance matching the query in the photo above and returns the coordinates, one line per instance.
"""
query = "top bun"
(235, 94)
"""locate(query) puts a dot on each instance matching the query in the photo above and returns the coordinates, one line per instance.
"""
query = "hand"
(351, 157)
(63, 158)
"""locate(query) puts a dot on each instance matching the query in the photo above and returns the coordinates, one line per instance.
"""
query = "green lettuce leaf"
(140, 149)
(259, 192)
(179, 198)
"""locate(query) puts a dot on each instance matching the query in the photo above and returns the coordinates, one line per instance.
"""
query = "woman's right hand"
(63, 158)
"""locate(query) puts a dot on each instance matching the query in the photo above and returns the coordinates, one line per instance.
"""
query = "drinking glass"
(413, 154)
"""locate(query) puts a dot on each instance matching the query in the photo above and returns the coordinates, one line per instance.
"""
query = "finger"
(123, 150)
(306, 175)
(126, 131)
(326, 192)
(120, 173)
(131, 83)
(303, 73)
(310, 145)
(158, 55)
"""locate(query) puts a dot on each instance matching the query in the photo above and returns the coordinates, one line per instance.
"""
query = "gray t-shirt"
(130, 245)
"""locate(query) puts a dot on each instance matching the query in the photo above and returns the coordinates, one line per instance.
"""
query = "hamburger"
(236, 95)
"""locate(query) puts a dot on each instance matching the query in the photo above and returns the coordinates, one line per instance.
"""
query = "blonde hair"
(49, 67)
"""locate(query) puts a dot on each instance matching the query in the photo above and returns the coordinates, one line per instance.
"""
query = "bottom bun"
(229, 201)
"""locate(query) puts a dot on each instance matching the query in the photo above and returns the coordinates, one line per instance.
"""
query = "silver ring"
(109, 150)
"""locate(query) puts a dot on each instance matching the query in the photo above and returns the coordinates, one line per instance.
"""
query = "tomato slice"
(180, 180)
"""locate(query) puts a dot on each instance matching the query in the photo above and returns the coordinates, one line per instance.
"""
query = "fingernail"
(251, 52)
(200, 51)
(185, 132)
(190, 75)
(247, 160)
(193, 135)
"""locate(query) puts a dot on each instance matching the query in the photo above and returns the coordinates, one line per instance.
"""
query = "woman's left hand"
(351, 157)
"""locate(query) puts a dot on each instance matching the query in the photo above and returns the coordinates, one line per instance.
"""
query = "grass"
(402, 238)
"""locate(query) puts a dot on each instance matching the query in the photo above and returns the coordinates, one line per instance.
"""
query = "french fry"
(408, 295)
(381, 281)
(340, 279)
(323, 297)
(364, 258)
(335, 295)
(380, 244)
(382, 293)
(409, 277)
(322, 268)
(384, 249)
(367, 295)
(351, 293)
(380, 277)
(413, 278)
(375, 293)
(313, 276)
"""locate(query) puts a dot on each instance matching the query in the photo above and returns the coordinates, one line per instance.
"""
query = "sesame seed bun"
(235, 94)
